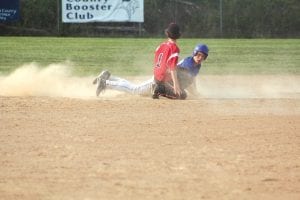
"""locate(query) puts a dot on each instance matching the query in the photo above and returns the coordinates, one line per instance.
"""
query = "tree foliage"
(197, 18)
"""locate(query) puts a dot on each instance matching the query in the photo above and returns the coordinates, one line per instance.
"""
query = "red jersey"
(166, 58)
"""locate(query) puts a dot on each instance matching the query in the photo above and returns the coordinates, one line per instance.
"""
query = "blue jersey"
(189, 65)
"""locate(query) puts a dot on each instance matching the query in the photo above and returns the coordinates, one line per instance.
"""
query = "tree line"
(197, 18)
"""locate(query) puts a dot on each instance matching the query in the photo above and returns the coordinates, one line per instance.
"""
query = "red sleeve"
(173, 58)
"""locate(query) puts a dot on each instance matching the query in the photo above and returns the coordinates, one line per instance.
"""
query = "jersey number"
(159, 60)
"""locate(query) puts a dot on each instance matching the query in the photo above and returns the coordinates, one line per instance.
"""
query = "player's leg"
(166, 89)
(124, 85)
(106, 80)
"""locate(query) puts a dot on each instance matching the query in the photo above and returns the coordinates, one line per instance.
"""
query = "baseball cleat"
(101, 86)
(101, 81)
(103, 75)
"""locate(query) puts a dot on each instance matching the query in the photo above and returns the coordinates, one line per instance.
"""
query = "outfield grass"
(134, 56)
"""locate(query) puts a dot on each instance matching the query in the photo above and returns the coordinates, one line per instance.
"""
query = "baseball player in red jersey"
(165, 61)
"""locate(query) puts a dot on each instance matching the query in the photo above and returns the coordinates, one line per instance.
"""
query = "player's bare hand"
(177, 90)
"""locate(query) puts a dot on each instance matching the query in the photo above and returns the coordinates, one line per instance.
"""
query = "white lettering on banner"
(99, 1)
(86, 7)
(72, 16)
(7, 13)
(81, 11)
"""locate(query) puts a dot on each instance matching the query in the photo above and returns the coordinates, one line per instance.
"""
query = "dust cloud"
(57, 80)
(249, 86)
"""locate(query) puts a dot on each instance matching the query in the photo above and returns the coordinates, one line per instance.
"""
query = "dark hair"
(173, 31)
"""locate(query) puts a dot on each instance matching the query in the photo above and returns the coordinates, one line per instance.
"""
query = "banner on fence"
(9, 10)
(82, 11)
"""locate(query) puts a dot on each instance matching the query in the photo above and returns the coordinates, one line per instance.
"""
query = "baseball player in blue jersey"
(187, 71)
(188, 68)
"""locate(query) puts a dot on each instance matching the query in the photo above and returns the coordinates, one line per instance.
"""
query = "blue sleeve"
(180, 63)
(189, 64)
(184, 63)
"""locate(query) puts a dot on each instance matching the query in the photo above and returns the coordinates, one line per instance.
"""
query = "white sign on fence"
(82, 11)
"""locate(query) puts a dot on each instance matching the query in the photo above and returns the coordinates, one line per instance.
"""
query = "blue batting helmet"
(203, 48)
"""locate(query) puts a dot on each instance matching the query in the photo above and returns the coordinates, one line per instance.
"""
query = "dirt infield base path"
(139, 148)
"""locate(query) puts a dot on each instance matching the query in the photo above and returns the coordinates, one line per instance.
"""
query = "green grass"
(134, 56)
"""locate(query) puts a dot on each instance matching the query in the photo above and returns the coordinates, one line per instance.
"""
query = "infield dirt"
(242, 143)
